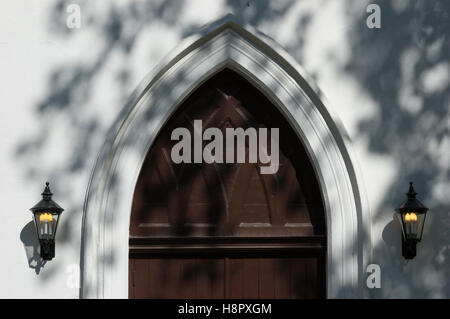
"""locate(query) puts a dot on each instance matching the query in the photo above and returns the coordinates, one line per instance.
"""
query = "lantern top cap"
(47, 192)
(47, 204)
(412, 203)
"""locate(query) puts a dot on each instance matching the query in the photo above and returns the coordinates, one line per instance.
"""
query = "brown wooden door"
(226, 230)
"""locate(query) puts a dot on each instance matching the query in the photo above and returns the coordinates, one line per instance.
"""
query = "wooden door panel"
(227, 199)
(224, 230)
(225, 277)
(177, 278)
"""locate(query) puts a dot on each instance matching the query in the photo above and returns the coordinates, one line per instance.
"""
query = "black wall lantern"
(411, 215)
(46, 216)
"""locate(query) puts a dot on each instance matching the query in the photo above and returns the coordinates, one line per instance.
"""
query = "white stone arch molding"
(106, 217)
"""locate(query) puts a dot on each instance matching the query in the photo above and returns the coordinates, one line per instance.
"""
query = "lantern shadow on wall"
(31, 246)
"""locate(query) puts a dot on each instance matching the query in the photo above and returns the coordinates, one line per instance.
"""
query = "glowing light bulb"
(46, 218)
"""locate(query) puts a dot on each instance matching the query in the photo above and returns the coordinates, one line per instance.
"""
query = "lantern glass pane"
(421, 221)
(402, 224)
(412, 224)
(46, 225)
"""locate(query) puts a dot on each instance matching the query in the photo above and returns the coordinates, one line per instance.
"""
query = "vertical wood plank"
(266, 278)
(218, 279)
(235, 279)
(250, 282)
(141, 280)
(282, 279)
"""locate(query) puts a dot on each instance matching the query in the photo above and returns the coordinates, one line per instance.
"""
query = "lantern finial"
(47, 194)
(411, 192)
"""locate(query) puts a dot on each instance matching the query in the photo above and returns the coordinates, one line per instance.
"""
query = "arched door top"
(223, 44)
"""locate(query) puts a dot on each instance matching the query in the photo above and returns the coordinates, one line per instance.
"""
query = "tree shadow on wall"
(405, 66)
(72, 86)
(397, 65)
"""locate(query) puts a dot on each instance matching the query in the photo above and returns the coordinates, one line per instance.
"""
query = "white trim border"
(107, 207)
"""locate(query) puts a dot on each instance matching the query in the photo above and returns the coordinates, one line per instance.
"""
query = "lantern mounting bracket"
(409, 248)
(47, 248)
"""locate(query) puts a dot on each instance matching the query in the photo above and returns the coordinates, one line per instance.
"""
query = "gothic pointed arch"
(223, 44)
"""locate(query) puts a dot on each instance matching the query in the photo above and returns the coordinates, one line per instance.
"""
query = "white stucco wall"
(62, 88)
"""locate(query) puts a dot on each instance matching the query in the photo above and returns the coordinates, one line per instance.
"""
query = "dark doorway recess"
(225, 230)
